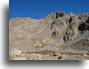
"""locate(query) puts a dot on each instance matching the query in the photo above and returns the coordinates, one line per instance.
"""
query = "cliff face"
(58, 32)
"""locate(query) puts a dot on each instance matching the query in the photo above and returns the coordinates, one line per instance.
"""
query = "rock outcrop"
(58, 32)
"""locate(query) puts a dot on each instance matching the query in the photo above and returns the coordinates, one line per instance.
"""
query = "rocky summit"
(58, 36)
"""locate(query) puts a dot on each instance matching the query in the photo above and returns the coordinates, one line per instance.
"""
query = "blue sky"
(38, 9)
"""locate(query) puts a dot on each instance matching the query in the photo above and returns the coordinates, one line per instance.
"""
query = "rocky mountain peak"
(56, 15)
(58, 32)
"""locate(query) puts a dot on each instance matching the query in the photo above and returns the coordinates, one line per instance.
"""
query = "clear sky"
(38, 9)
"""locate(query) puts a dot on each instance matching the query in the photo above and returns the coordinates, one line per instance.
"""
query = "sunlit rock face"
(58, 32)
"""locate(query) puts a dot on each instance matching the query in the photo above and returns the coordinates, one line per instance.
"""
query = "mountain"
(57, 33)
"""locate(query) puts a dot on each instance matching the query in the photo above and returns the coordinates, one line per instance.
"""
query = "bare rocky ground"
(58, 36)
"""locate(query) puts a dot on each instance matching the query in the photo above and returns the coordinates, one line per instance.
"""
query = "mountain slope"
(58, 32)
